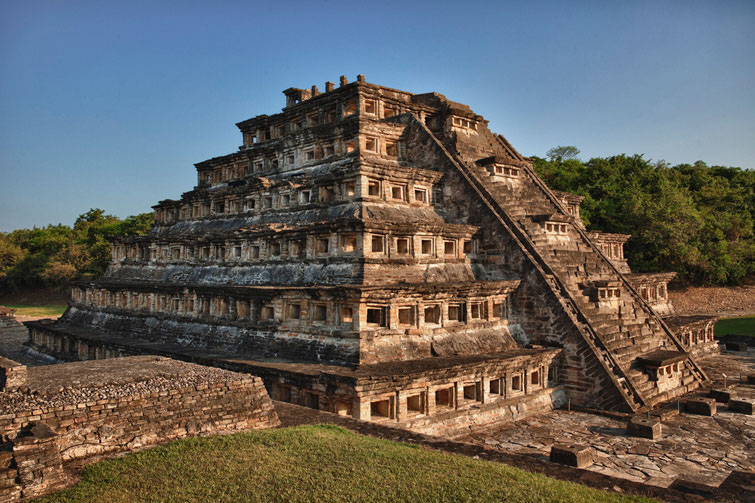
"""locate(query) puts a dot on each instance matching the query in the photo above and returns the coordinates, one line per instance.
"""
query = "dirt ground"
(34, 297)
(714, 301)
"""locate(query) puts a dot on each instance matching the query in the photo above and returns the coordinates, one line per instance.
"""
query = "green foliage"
(57, 254)
(50, 311)
(562, 153)
(311, 464)
(693, 219)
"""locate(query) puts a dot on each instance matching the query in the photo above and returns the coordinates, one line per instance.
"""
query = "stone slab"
(578, 456)
(692, 487)
(644, 427)
(736, 346)
(741, 484)
(700, 406)
(742, 406)
(720, 395)
(666, 411)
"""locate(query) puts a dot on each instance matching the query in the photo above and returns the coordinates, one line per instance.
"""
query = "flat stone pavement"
(733, 364)
(702, 449)
(697, 448)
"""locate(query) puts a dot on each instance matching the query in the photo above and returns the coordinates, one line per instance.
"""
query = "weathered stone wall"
(336, 324)
(446, 396)
(78, 410)
(12, 374)
(258, 341)
(458, 423)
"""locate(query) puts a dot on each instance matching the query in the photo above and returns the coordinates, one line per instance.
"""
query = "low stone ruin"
(51, 416)
(8, 317)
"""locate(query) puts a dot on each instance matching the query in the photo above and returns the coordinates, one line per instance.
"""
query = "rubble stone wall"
(79, 410)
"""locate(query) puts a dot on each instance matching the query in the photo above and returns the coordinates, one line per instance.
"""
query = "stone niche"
(605, 294)
(665, 368)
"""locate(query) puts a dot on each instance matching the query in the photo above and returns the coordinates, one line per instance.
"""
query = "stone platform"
(692, 447)
(440, 395)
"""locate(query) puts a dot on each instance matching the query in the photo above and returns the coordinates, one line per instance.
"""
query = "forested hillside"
(694, 219)
(53, 256)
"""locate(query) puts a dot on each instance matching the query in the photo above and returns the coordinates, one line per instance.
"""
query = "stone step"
(625, 341)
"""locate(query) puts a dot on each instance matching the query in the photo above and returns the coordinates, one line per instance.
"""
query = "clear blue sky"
(109, 104)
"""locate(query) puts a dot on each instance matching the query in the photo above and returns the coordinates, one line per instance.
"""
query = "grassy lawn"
(38, 311)
(311, 464)
(737, 326)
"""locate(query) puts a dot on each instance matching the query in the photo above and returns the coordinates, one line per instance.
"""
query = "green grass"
(737, 326)
(38, 311)
(311, 464)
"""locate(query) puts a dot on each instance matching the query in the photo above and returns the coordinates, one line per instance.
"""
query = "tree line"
(55, 255)
(694, 219)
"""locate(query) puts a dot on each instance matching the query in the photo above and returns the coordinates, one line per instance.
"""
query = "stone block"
(12, 374)
(644, 427)
(6, 460)
(572, 455)
(720, 395)
(700, 406)
(36, 433)
(742, 406)
(736, 346)
(751, 379)
(665, 411)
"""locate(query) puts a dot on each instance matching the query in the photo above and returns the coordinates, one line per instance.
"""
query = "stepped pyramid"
(384, 255)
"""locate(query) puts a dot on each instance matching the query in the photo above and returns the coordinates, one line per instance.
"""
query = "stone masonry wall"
(78, 410)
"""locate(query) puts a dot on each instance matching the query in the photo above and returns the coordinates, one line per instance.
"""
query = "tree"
(693, 219)
(57, 254)
(562, 153)
(10, 255)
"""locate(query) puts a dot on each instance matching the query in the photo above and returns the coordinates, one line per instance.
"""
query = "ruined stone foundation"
(53, 415)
